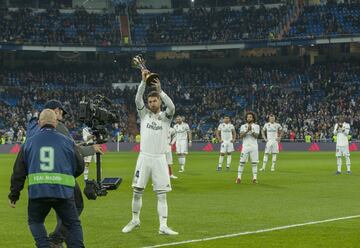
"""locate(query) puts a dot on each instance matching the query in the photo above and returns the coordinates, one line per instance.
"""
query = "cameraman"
(57, 237)
(51, 162)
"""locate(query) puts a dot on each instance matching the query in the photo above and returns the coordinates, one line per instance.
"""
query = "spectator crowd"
(51, 27)
(305, 99)
(200, 24)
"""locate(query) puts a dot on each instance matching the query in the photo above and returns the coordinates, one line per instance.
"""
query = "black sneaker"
(55, 241)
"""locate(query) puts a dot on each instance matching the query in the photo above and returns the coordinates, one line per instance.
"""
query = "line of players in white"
(180, 135)
(271, 133)
(157, 137)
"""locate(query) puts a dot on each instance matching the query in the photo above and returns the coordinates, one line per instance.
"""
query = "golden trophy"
(139, 62)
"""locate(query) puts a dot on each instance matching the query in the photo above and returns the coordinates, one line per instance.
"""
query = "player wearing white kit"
(183, 140)
(88, 139)
(249, 133)
(169, 158)
(271, 133)
(154, 129)
(341, 130)
(226, 135)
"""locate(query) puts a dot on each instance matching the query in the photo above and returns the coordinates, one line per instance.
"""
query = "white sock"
(181, 161)
(240, 169)
(254, 170)
(136, 206)
(228, 161)
(339, 162)
(86, 172)
(273, 161)
(266, 157)
(162, 209)
(221, 160)
(184, 160)
(348, 163)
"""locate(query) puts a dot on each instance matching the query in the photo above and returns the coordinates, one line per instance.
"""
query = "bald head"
(47, 117)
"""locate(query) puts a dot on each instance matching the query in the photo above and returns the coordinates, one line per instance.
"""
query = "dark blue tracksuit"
(50, 161)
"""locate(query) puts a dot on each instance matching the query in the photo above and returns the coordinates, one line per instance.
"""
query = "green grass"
(206, 203)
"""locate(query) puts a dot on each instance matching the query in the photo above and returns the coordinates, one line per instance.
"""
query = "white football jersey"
(248, 139)
(86, 133)
(181, 131)
(272, 130)
(342, 134)
(170, 137)
(226, 131)
(154, 131)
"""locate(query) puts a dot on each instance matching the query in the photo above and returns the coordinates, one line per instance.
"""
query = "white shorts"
(272, 147)
(252, 152)
(342, 151)
(154, 166)
(181, 147)
(89, 158)
(227, 147)
(169, 158)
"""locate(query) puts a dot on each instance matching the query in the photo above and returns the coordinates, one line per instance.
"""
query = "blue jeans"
(38, 209)
(59, 235)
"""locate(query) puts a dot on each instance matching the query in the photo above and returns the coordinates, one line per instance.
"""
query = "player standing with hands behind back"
(271, 133)
(249, 132)
(226, 135)
(154, 130)
(183, 140)
(342, 130)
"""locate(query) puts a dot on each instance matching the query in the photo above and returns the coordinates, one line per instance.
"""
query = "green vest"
(308, 138)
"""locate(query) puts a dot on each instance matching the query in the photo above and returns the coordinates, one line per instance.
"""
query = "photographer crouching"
(59, 235)
(51, 162)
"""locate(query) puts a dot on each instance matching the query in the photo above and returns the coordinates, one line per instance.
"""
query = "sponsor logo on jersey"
(154, 126)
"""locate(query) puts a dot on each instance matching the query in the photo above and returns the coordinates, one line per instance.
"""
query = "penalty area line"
(254, 232)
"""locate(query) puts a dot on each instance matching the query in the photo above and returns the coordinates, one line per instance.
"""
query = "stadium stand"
(329, 20)
(300, 96)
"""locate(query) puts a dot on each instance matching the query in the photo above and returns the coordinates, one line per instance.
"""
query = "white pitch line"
(254, 232)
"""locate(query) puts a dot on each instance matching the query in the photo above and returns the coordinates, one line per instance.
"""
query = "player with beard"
(154, 130)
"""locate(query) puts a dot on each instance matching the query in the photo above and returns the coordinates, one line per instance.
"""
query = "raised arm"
(139, 100)
(170, 107)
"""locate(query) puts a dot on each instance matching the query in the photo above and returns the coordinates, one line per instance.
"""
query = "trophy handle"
(139, 62)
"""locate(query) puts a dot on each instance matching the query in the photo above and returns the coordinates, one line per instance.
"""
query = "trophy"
(139, 62)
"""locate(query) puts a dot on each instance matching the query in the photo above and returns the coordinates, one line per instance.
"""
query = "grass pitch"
(206, 203)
